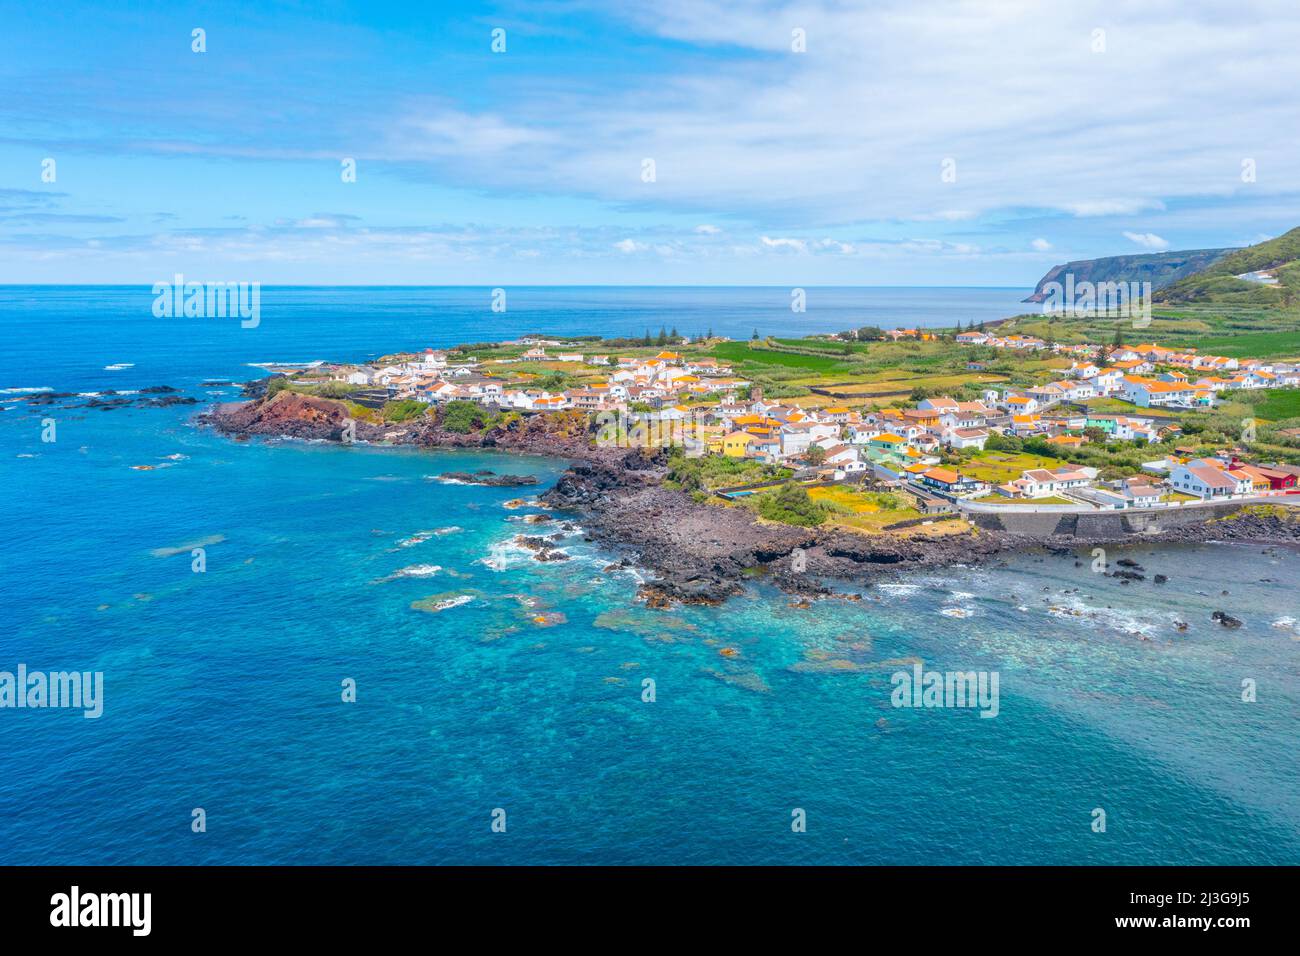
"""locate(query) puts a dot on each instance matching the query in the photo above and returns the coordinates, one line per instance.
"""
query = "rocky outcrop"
(489, 478)
(287, 414)
(701, 552)
(153, 396)
(290, 414)
(704, 553)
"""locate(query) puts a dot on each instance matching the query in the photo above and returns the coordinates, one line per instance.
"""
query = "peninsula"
(837, 457)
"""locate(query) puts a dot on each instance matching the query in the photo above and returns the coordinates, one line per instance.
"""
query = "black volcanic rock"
(489, 478)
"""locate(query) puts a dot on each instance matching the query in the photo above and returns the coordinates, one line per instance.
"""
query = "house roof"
(1040, 475)
(1212, 476)
(942, 475)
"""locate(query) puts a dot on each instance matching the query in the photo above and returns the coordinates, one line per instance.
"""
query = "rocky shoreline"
(700, 553)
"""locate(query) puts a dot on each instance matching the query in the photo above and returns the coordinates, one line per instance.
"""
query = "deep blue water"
(222, 689)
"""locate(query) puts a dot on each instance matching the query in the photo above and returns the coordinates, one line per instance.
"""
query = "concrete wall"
(1110, 524)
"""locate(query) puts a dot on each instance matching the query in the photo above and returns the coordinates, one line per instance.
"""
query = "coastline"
(700, 553)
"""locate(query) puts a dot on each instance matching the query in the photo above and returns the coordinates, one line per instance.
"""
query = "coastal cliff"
(1161, 269)
(699, 552)
(702, 552)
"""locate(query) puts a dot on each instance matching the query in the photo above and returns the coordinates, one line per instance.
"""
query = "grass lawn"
(998, 467)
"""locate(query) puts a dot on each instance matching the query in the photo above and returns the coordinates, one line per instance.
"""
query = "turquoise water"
(222, 689)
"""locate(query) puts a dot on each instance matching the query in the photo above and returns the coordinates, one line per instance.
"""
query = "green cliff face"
(1161, 269)
(1218, 284)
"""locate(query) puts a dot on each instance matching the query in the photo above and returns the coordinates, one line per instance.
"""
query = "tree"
(663, 336)
(673, 334)
(754, 337)
(815, 454)
(646, 340)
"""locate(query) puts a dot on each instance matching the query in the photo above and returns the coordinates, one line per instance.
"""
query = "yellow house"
(735, 444)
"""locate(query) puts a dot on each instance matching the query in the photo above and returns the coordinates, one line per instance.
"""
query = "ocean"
(491, 687)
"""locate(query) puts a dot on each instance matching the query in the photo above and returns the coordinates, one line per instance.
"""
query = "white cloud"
(1148, 240)
(708, 230)
(1111, 207)
(798, 245)
(1041, 245)
(630, 246)
(761, 134)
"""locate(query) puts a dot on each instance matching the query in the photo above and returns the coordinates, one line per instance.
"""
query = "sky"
(680, 142)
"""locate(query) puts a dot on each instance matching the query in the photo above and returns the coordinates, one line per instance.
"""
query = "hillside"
(1159, 268)
(1217, 283)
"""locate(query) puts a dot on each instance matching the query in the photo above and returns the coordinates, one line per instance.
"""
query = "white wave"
(414, 571)
(449, 603)
(422, 536)
(1123, 620)
(895, 587)
(119, 366)
(504, 554)
(25, 391)
(956, 612)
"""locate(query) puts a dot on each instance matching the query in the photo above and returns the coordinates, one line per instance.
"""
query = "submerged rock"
(490, 478)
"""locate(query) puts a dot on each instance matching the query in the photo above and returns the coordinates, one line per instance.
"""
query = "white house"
(1206, 481)
(1041, 483)
(966, 437)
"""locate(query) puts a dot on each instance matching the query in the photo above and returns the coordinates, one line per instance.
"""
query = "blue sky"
(938, 143)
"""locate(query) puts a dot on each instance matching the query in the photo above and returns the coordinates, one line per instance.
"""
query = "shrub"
(463, 417)
(790, 504)
(403, 411)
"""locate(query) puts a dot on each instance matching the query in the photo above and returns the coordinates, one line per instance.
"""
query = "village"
(1021, 447)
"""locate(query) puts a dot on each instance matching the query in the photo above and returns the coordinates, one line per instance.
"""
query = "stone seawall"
(1099, 525)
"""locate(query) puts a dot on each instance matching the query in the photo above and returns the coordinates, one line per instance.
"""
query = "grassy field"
(822, 345)
(1115, 406)
(862, 510)
(740, 353)
(998, 467)
(1280, 404)
(1249, 344)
